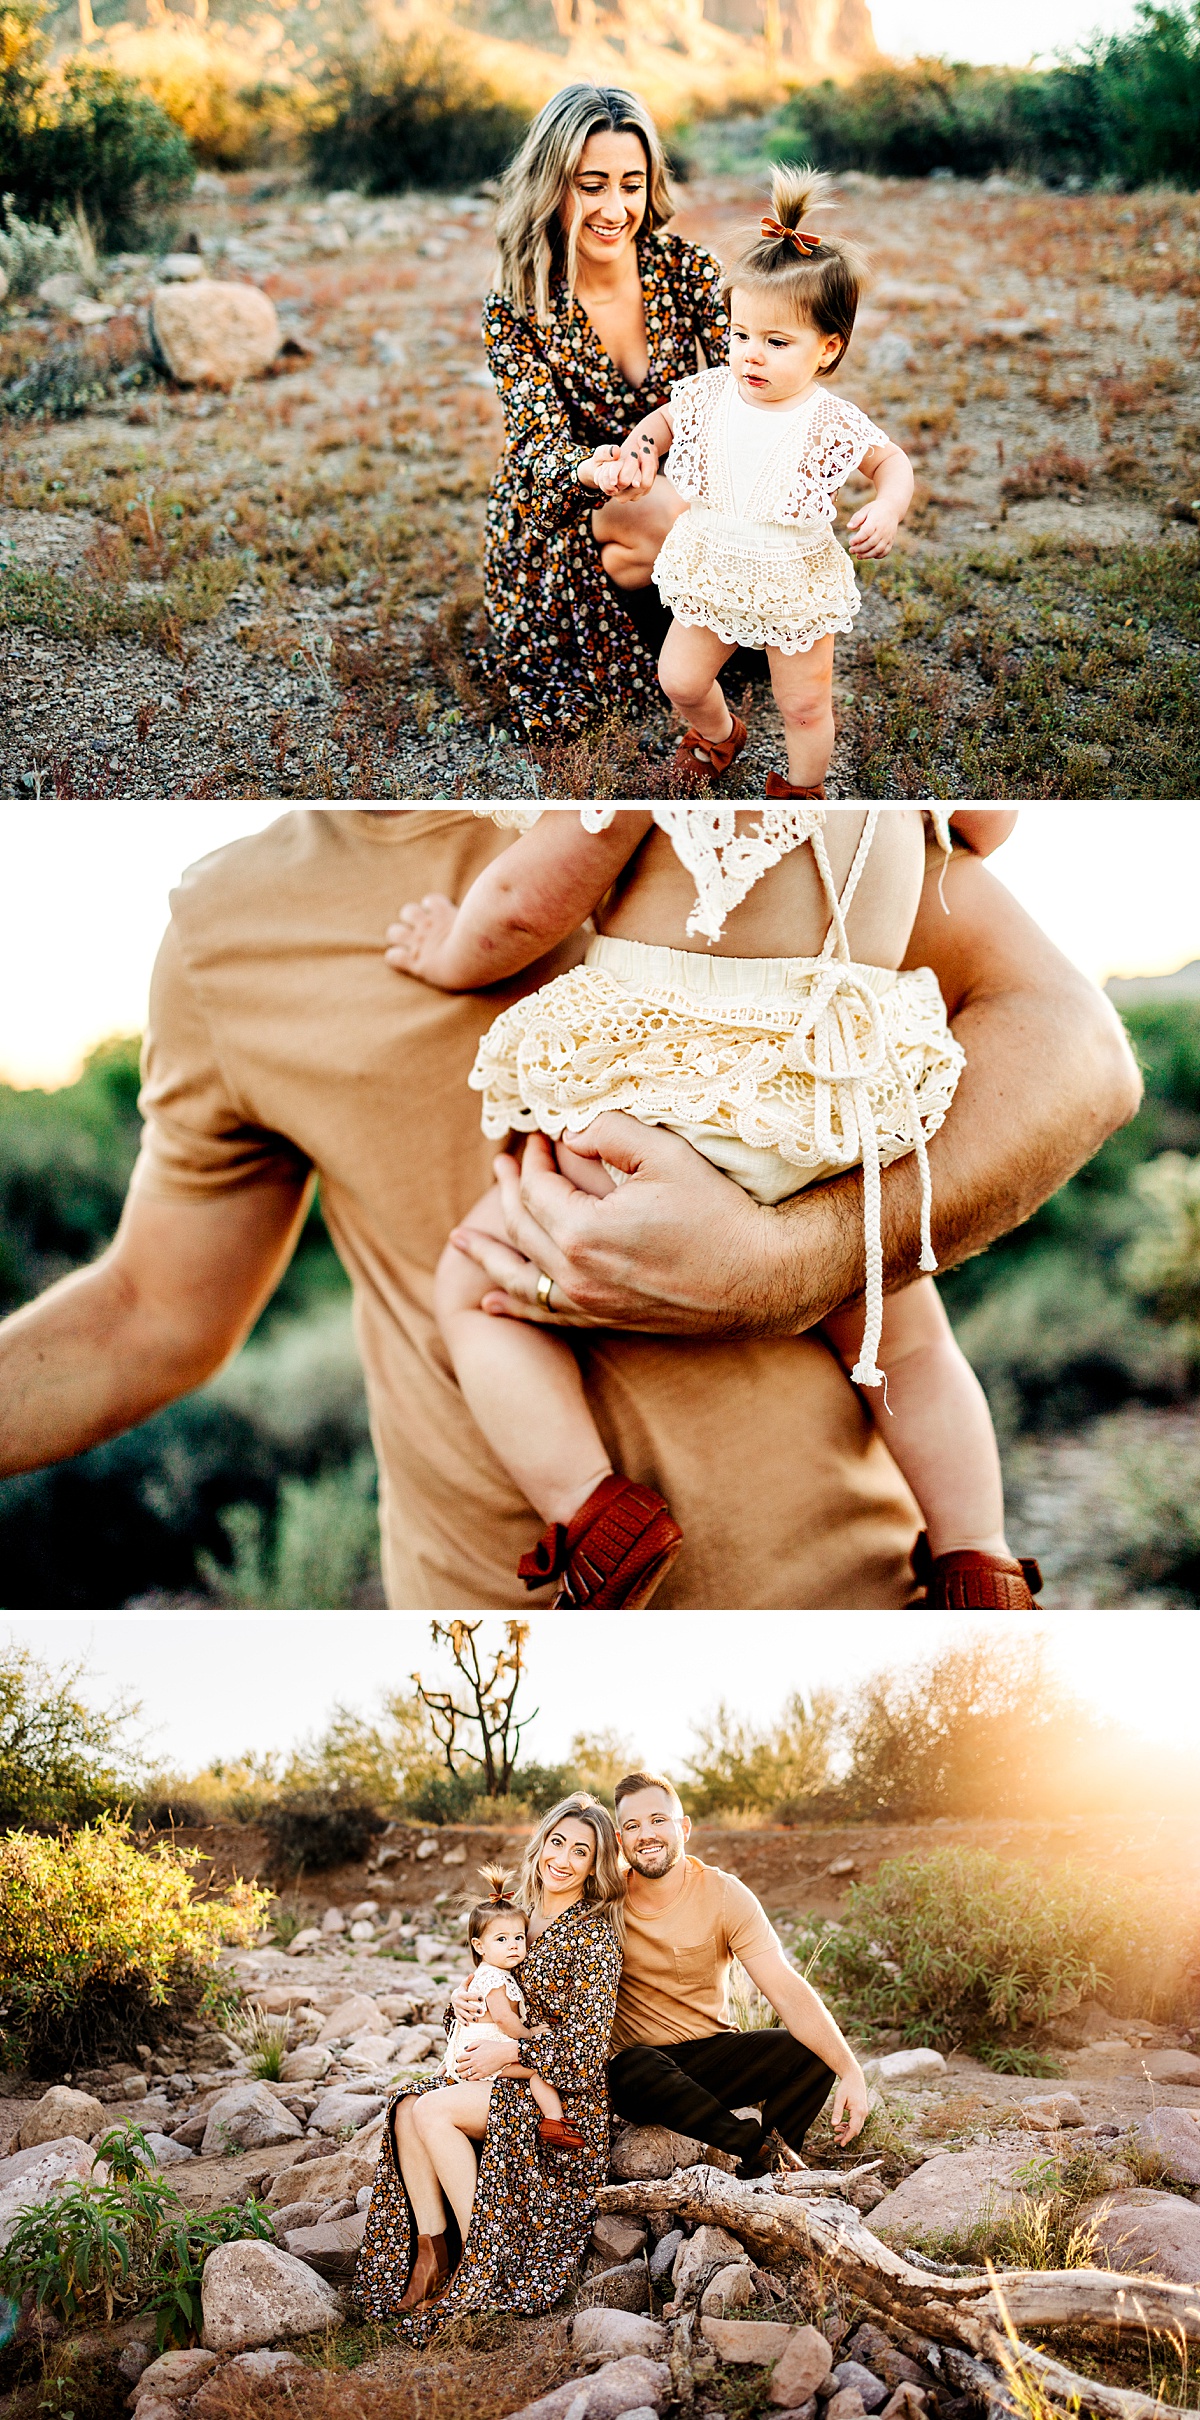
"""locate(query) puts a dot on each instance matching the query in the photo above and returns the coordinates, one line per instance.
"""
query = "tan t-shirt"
(675, 1976)
(279, 1043)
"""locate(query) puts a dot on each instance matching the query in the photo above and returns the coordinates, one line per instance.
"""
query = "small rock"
(134, 2088)
(253, 2293)
(426, 1848)
(331, 2248)
(650, 2151)
(732, 2289)
(307, 1938)
(180, 268)
(176, 2374)
(1172, 2067)
(340, 2111)
(88, 313)
(189, 2133)
(60, 291)
(662, 2258)
(247, 2118)
(307, 2066)
(334, 1920)
(365, 1911)
(1174, 2134)
(707, 2246)
(911, 2068)
(749, 2340)
(804, 2364)
(132, 2360)
(1154, 2233)
(61, 2112)
(455, 1857)
(624, 2289)
(606, 2335)
(167, 2152)
(630, 2385)
(1047, 2111)
(870, 2346)
(339, 2176)
(853, 2374)
(362, 1932)
(212, 2400)
(842, 1865)
(213, 334)
(951, 2193)
(619, 2238)
(846, 2405)
(358, 2015)
(908, 2403)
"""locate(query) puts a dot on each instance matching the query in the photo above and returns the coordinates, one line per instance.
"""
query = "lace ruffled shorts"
(757, 583)
(769, 1066)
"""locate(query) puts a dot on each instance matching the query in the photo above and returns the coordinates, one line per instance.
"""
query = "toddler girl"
(782, 1069)
(496, 1938)
(760, 451)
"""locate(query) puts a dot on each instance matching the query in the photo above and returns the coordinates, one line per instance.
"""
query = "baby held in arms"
(496, 1938)
(744, 989)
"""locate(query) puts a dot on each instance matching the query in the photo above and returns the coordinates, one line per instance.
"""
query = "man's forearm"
(808, 2020)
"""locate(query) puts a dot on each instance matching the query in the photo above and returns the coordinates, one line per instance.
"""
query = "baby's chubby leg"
(545, 2098)
(940, 1429)
(687, 670)
(803, 689)
(521, 1383)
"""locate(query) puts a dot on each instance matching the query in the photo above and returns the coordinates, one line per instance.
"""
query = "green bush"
(1056, 1342)
(410, 113)
(446, 1798)
(981, 1728)
(29, 251)
(737, 1767)
(309, 1834)
(1127, 109)
(966, 1948)
(91, 140)
(97, 2251)
(61, 1761)
(97, 1934)
(320, 1549)
(1163, 1262)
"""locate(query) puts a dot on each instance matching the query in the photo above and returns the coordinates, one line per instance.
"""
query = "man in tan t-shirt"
(281, 1049)
(676, 2058)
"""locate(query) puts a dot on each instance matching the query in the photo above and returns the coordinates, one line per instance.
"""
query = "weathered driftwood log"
(951, 2312)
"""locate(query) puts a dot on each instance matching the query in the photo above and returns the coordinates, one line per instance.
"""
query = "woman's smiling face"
(568, 1858)
(609, 188)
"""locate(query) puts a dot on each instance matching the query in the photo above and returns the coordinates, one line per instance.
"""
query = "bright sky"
(83, 900)
(217, 1685)
(1015, 35)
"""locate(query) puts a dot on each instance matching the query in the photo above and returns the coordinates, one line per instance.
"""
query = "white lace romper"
(780, 1071)
(485, 1980)
(772, 575)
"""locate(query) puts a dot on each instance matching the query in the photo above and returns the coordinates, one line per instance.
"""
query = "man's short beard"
(674, 1849)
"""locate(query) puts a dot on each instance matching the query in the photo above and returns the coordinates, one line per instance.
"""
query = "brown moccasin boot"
(690, 767)
(970, 1582)
(616, 1550)
(777, 787)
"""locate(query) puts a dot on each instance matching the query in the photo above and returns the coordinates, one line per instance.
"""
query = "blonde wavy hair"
(534, 248)
(822, 290)
(604, 1887)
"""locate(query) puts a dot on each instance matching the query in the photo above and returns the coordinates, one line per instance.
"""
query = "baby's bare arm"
(522, 905)
(502, 2013)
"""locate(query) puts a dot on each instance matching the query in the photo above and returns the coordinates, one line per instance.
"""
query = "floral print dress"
(565, 647)
(534, 2206)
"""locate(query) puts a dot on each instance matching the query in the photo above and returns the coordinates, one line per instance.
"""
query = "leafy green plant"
(312, 1831)
(1017, 2058)
(131, 2244)
(61, 1760)
(264, 2040)
(97, 1934)
(89, 139)
(30, 250)
(416, 112)
(321, 1548)
(967, 1947)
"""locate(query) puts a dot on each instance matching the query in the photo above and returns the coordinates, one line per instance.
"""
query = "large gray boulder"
(28, 2177)
(247, 2118)
(253, 2294)
(611, 2335)
(1156, 2234)
(951, 2194)
(331, 2247)
(213, 333)
(340, 2111)
(59, 2113)
(1174, 2134)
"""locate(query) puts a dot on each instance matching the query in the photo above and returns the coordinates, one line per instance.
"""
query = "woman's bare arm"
(679, 1250)
(525, 902)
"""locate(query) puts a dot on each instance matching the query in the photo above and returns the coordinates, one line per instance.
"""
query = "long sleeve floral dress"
(534, 2206)
(565, 647)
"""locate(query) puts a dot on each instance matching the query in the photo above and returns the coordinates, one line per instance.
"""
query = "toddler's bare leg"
(940, 1429)
(546, 2098)
(803, 686)
(687, 670)
(522, 1385)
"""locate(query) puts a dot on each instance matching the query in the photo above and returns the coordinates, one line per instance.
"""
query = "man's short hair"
(646, 1781)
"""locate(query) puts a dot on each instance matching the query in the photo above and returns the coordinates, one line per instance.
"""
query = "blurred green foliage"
(1125, 110)
(88, 140)
(414, 112)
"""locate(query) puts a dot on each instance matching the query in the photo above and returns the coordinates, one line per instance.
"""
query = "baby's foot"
(416, 937)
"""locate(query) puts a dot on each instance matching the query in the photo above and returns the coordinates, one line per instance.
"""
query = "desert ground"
(276, 591)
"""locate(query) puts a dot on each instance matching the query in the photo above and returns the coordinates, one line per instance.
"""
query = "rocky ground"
(276, 592)
(956, 2161)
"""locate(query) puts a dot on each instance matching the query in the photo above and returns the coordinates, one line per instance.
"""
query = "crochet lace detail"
(717, 575)
(817, 449)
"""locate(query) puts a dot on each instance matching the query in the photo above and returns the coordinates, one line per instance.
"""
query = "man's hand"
(415, 941)
(851, 2100)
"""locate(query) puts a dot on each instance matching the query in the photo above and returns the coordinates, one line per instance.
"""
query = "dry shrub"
(479, 2369)
(1053, 473)
(1124, 393)
(455, 645)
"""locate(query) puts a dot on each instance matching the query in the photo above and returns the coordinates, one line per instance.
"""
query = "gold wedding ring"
(545, 1288)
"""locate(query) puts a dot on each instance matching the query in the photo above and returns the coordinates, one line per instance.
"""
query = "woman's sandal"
(777, 787)
(970, 1582)
(616, 1550)
(690, 768)
(430, 2272)
(564, 2137)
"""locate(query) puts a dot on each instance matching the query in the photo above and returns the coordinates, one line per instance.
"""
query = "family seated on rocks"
(485, 2195)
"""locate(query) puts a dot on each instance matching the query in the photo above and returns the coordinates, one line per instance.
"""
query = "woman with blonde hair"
(520, 2210)
(596, 314)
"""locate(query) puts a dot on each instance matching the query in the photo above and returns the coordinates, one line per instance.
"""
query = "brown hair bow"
(776, 233)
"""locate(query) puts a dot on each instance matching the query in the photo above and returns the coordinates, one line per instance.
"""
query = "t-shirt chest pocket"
(694, 1967)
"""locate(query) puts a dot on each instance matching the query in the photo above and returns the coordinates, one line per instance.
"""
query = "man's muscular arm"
(179, 1287)
(681, 1251)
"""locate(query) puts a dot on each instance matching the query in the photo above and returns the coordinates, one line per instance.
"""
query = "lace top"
(724, 863)
(816, 451)
(487, 1979)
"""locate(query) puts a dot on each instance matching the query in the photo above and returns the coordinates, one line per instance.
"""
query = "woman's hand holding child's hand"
(416, 937)
(622, 470)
